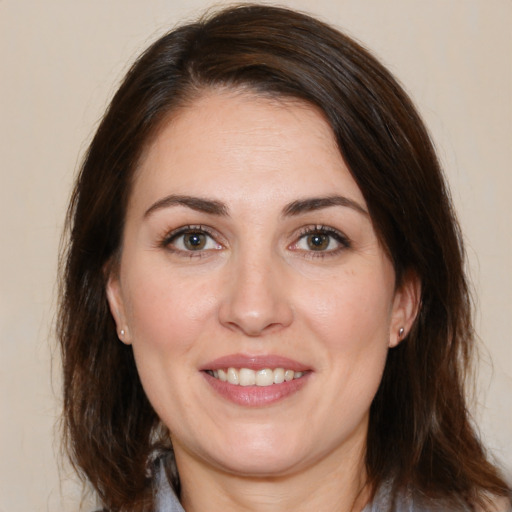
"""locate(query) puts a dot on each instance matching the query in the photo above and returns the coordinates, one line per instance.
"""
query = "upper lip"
(255, 362)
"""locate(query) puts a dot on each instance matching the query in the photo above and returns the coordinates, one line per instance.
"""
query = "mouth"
(256, 380)
(249, 377)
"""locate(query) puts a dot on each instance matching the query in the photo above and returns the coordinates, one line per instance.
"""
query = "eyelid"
(338, 236)
(167, 240)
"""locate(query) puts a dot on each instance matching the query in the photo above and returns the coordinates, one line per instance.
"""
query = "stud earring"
(121, 333)
(400, 333)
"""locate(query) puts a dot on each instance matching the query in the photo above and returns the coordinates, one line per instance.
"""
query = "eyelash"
(167, 241)
(338, 236)
(170, 238)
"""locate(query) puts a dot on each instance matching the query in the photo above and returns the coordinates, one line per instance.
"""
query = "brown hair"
(420, 436)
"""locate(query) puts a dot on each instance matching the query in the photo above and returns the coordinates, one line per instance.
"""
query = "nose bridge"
(256, 301)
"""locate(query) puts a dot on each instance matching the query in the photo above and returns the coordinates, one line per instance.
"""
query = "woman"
(264, 305)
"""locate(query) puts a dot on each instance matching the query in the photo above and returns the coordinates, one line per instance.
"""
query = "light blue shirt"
(167, 501)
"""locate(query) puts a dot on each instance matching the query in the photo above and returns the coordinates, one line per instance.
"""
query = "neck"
(334, 483)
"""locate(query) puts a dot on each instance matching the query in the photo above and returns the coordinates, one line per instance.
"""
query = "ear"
(117, 306)
(405, 308)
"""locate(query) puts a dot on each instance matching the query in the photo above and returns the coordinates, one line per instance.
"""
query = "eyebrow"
(317, 203)
(214, 207)
(195, 203)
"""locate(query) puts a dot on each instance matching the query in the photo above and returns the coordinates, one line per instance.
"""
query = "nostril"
(256, 322)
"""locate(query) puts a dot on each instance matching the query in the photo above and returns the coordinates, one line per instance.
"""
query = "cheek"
(350, 312)
(351, 318)
(167, 318)
(165, 312)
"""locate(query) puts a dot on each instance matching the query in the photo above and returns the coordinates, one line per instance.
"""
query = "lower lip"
(256, 396)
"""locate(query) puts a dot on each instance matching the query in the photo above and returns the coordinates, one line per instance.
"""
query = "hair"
(420, 434)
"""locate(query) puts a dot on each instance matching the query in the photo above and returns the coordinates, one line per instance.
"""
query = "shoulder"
(410, 500)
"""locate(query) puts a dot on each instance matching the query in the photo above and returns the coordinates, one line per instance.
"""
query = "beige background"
(60, 61)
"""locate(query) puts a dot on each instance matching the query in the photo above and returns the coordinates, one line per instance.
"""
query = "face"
(253, 289)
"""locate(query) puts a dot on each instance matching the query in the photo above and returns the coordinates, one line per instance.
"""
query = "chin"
(270, 454)
(261, 465)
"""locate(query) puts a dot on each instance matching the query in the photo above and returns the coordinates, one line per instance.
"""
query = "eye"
(318, 241)
(321, 239)
(191, 239)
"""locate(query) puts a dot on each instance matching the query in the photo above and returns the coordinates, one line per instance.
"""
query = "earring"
(121, 333)
(400, 333)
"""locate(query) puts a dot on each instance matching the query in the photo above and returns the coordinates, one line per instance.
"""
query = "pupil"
(195, 241)
(318, 241)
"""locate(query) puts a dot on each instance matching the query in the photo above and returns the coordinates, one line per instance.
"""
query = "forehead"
(236, 143)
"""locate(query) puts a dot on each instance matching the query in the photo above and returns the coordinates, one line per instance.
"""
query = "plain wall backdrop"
(60, 63)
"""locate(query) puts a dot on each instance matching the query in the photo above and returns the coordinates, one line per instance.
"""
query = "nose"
(256, 301)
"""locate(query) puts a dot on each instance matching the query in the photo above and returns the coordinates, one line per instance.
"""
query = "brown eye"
(318, 241)
(194, 241)
(321, 240)
(191, 239)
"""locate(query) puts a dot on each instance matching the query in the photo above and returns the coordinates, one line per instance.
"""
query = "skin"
(258, 287)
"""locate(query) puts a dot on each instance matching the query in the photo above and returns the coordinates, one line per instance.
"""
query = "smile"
(250, 377)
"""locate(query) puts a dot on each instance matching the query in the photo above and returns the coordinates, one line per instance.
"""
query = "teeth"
(265, 377)
(278, 376)
(233, 376)
(248, 377)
